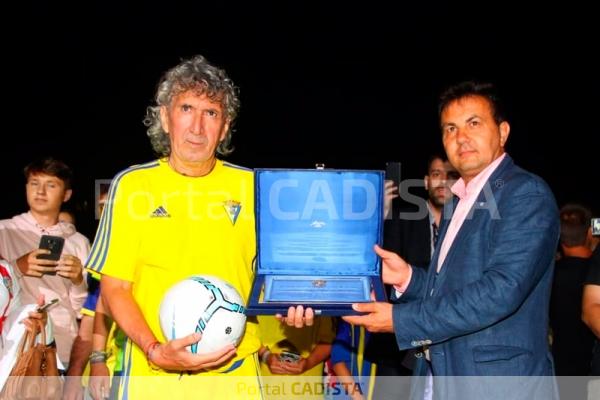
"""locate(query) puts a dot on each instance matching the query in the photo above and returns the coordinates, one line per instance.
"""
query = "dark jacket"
(486, 312)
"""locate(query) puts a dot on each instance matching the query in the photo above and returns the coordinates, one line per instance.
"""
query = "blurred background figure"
(591, 309)
(67, 217)
(356, 373)
(591, 316)
(572, 340)
(102, 196)
(413, 235)
(288, 350)
(47, 188)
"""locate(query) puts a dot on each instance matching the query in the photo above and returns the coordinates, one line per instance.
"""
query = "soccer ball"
(204, 304)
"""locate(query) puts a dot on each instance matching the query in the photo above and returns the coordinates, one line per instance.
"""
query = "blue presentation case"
(315, 235)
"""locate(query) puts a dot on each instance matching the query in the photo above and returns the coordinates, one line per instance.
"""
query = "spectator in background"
(102, 198)
(572, 340)
(48, 186)
(413, 235)
(67, 217)
(352, 370)
(81, 365)
(591, 316)
(311, 345)
(591, 307)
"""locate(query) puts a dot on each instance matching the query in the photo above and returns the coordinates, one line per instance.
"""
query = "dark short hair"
(50, 166)
(434, 157)
(574, 224)
(473, 88)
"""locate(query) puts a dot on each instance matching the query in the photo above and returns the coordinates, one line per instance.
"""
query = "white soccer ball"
(204, 304)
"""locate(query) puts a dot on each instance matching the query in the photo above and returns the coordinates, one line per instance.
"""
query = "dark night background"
(351, 86)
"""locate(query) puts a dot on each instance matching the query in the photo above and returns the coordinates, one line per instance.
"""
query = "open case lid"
(318, 222)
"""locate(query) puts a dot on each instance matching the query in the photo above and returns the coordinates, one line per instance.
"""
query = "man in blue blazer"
(481, 308)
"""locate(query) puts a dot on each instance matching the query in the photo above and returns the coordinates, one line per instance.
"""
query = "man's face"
(440, 177)
(46, 193)
(471, 137)
(196, 125)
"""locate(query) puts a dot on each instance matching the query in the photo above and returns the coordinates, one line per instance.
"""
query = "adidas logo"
(160, 212)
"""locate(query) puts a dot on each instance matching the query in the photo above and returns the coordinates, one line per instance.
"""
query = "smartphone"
(289, 356)
(44, 307)
(55, 245)
(595, 226)
(392, 173)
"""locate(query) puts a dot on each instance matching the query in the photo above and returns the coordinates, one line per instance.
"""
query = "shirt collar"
(463, 191)
(63, 229)
(430, 212)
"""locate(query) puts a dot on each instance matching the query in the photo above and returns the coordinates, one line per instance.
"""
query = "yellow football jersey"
(160, 227)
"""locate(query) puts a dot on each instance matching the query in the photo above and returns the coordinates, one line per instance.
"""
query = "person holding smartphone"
(56, 274)
(288, 350)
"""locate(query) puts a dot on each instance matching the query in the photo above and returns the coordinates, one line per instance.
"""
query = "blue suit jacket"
(486, 312)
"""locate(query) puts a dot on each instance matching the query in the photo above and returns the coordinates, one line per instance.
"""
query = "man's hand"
(173, 355)
(70, 267)
(391, 192)
(297, 317)
(31, 322)
(30, 265)
(280, 367)
(378, 319)
(395, 271)
(73, 389)
(99, 381)
(294, 368)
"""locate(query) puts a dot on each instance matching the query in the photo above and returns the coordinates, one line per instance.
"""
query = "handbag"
(35, 374)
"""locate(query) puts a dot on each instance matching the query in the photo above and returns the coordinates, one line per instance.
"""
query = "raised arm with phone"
(48, 253)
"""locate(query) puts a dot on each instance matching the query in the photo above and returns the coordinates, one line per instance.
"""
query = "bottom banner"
(191, 386)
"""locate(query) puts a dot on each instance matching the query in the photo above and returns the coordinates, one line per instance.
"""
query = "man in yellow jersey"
(186, 213)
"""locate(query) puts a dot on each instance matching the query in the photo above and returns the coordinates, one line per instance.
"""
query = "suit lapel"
(444, 223)
(474, 219)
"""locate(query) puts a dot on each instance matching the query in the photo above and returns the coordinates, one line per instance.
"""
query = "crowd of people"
(470, 269)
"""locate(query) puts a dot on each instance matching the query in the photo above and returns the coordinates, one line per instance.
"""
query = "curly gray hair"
(199, 75)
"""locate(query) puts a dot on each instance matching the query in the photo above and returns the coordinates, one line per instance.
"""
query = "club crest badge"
(232, 208)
